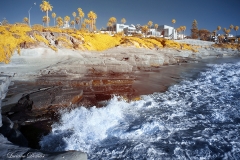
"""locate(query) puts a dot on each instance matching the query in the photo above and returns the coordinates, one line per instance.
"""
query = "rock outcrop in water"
(13, 145)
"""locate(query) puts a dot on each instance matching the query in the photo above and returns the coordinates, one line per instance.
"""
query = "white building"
(127, 29)
(120, 27)
(66, 24)
(155, 33)
(162, 31)
(181, 36)
(167, 31)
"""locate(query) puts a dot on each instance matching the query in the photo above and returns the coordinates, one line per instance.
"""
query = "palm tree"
(214, 33)
(25, 20)
(74, 15)
(83, 26)
(77, 20)
(54, 17)
(179, 30)
(144, 30)
(94, 28)
(123, 21)
(87, 22)
(45, 20)
(184, 29)
(109, 24)
(112, 20)
(236, 29)
(92, 17)
(173, 22)
(231, 27)
(226, 31)
(72, 23)
(81, 15)
(150, 23)
(45, 7)
(156, 27)
(220, 38)
(218, 28)
(59, 21)
(67, 19)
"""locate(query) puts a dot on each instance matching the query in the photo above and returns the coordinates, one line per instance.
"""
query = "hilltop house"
(154, 32)
(162, 31)
(181, 36)
(127, 29)
(167, 31)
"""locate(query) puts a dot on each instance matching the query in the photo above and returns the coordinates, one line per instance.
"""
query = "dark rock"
(12, 134)
(24, 104)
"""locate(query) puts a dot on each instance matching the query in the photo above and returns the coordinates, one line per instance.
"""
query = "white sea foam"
(197, 119)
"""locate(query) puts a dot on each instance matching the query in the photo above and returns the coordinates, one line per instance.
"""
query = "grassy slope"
(14, 37)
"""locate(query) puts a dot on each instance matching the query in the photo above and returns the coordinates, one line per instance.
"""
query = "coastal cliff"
(70, 78)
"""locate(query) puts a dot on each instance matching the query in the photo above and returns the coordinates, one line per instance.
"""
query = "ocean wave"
(198, 119)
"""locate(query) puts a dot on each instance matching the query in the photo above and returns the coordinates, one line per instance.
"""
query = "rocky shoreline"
(48, 81)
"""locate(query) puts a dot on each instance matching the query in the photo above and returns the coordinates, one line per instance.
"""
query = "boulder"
(10, 131)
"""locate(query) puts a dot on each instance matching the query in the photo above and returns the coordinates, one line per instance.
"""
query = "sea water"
(195, 119)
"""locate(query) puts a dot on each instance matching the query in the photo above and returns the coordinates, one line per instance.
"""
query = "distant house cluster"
(162, 31)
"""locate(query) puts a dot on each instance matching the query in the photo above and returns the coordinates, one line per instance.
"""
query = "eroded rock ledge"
(13, 144)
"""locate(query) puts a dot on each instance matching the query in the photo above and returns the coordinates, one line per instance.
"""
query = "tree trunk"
(74, 21)
(80, 23)
(92, 25)
(47, 18)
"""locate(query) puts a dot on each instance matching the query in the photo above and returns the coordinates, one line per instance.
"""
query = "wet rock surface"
(34, 106)
(26, 119)
(9, 150)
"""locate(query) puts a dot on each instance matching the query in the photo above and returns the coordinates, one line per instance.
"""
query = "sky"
(208, 13)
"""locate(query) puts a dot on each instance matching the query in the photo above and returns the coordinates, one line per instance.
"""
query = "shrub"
(52, 29)
(65, 42)
(11, 37)
(100, 42)
(38, 27)
(226, 45)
